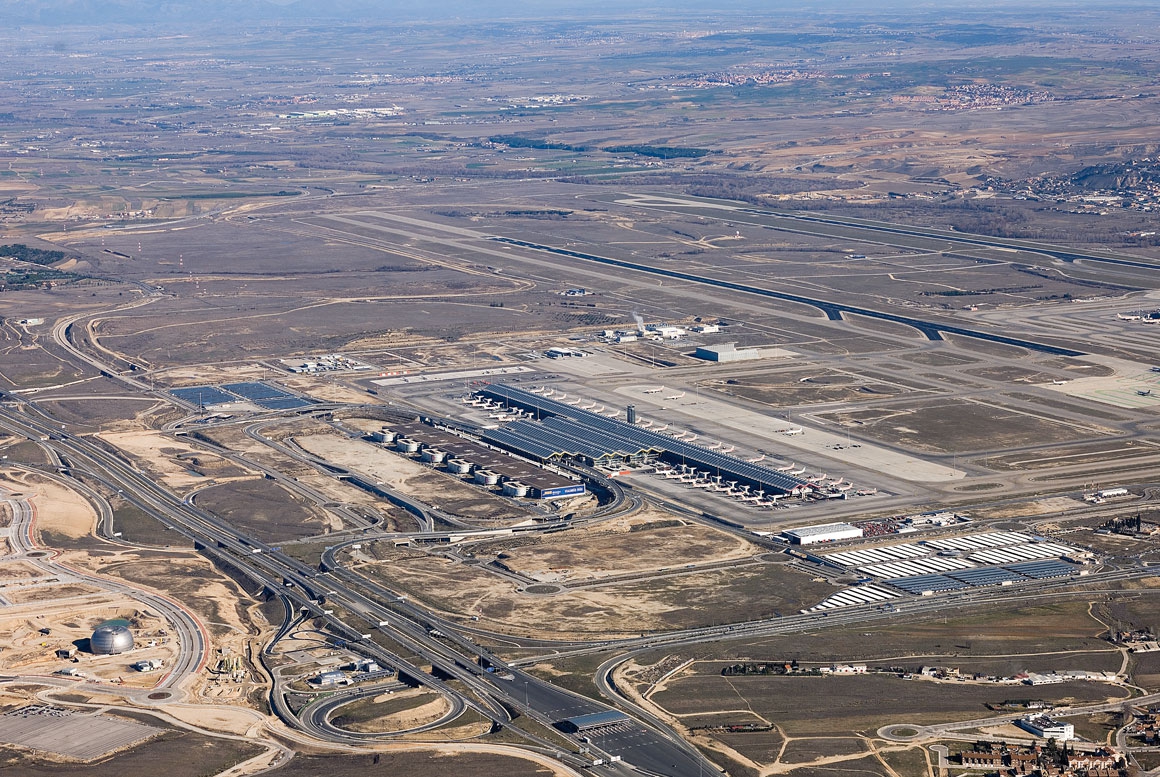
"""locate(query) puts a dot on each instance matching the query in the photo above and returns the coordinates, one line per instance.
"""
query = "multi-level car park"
(948, 564)
(487, 466)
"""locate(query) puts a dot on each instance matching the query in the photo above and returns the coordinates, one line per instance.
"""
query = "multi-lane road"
(354, 607)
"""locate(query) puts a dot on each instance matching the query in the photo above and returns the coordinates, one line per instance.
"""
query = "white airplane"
(759, 458)
(795, 431)
(661, 428)
(656, 390)
(796, 472)
(690, 439)
(1061, 382)
(675, 396)
(786, 469)
(714, 446)
(644, 424)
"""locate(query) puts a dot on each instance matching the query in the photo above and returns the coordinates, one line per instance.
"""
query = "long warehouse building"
(562, 432)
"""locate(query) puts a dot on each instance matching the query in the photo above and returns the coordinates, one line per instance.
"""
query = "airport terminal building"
(562, 432)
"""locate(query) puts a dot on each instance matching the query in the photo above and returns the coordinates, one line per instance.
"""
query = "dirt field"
(1024, 631)
(806, 705)
(1095, 453)
(804, 387)
(423, 763)
(400, 473)
(392, 712)
(185, 754)
(59, 511)
(267, 511)
(653, 602)
(959, 426)
(175, 463)
(29, 651)
(648, 541)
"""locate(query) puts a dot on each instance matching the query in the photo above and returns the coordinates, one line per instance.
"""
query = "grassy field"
(264, 510)
(416, 764)
(652, 603)
(183, 753)
(845, 705)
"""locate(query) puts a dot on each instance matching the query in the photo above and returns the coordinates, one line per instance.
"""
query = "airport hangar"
(563, 432)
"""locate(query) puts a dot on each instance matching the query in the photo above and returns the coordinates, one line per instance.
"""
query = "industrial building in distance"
(562, 432)
(729, 352)
(827, 532)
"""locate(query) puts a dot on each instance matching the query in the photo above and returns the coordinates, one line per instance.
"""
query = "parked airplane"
(1145, 392)
(656, 390)
(675, 396)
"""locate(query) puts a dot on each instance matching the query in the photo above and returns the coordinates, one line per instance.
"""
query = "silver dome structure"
(110, 639)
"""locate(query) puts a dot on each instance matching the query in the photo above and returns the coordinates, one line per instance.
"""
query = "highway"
(652, 749)
(355, 609)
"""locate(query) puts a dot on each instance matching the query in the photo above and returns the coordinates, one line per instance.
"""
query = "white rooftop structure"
(729, 352)
(827, 532)
(1043, 726)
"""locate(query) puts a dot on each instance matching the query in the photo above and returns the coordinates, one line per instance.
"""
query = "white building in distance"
(729, 352)
(1043, 726)
(827, 532)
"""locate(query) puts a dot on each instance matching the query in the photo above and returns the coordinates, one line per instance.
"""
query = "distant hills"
(137, 12)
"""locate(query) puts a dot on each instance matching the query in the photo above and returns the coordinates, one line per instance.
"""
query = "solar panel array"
(1042, 570)
(922, 583)
(254, 390)
(977, 577)
(283, 403)
(863, 594)
(566, 428)
(980, 576)
(203, 395)
(263, 395)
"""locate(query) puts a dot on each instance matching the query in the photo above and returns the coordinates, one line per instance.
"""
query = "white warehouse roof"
(806, 535)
